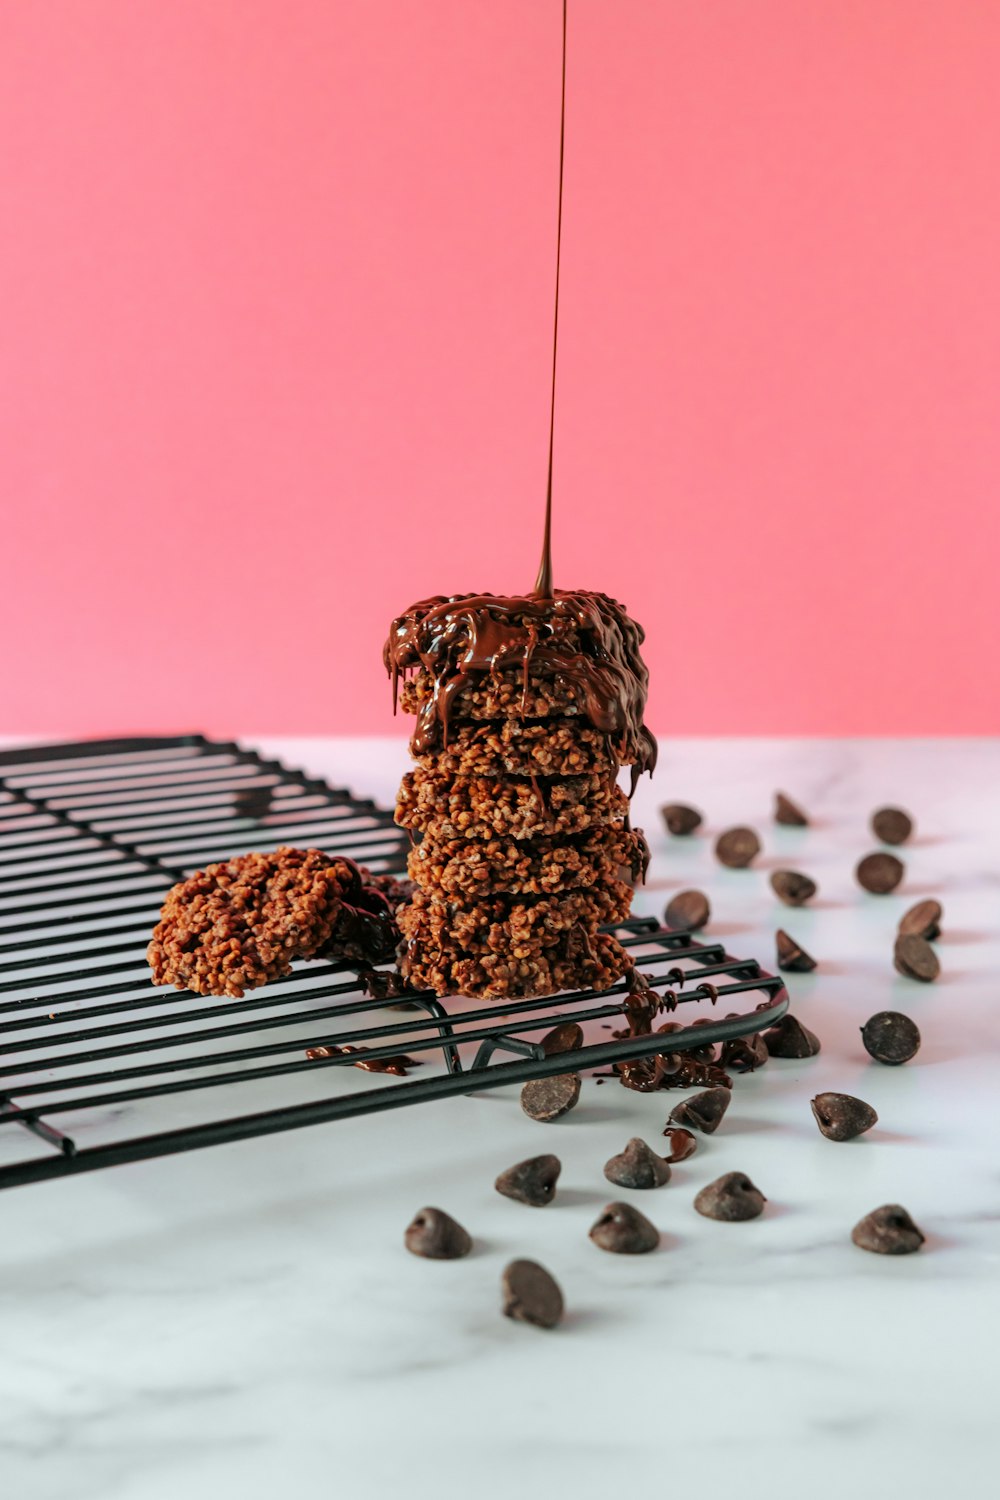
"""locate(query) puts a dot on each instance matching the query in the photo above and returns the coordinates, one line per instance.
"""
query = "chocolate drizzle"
(584, 638)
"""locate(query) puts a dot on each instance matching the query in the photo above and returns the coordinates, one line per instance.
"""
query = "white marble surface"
(244, 1322)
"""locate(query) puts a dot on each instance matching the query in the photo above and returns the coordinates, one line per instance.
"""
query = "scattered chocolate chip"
(922, 920)
(888, 1230)
(792, 957)
(565, 1038)
(915, 959)
(437, 1236)
(548, 1098)
(680, 819)
(879, 873)
(890, 1037)
(688, 911)
(737, 847)
(638, 1166)
(744, 1053)
(532, 1181)
(892, 825)
(702, 1111)
(399, 1065)
(841, 1117)
(623, 1230)
(792, 887)
(682, 1144)
(731, 1197)
(786, 812)
(789, 1038)
(531, 1295)
(254, 802)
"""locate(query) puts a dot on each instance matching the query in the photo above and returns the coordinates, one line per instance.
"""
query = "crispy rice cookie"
(578, 960)
(236, 925)
(514, 747)
(477, 806)
(470, 868)
(504, 925)
(499, 695)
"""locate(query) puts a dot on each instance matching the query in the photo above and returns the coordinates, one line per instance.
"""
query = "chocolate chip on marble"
(841, 1117)
(688, 911)
(922, 920)
(531, 1295)
(549, 1098)
(892, 825)
(890, 1037)
(788, 812)
(914, 958)
(792, 887)
(702, 1111)
(731, 1198)
(638, 1166)
(682, 1143)
(789, 1038)
(565, 1038)
(792, 957)
(623, 1230)
(532, 1181)
(888, 1230)
(879, 873)
(680, 819)
(737, 847)
(436, 1236)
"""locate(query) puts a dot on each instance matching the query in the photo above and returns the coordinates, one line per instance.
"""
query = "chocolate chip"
(737, 847)
(892, 825)
(565, 1038)
(688, 911)
(731, 1198)
(890, 1037)
(841, 1117)
(682, 1143)
(532, 1181)
(623, 1230)
(548, 1098)
(436, 1236)
(744, 1053)
(789, 1038)
(792, 887)
(879, 873)
(637, 1167)
(531, 1295)
(680, 819)
(792, 957)
(915, 958)
(786, 812)
(922, 920)
(888, 1230)
(702, 1111)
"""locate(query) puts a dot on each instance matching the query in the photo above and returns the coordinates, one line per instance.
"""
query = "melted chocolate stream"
(543, 583)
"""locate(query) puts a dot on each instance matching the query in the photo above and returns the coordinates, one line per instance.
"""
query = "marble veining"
(244, 1321)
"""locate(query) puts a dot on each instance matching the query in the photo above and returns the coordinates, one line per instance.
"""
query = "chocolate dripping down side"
(584, 637)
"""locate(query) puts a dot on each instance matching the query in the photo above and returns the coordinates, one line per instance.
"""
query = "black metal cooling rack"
(91, 837)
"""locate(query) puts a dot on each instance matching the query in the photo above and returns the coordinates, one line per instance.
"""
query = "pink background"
(277, 282)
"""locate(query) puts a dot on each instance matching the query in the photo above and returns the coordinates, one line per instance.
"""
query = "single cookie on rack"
(470, 868)
(476, 807)
(236, 925)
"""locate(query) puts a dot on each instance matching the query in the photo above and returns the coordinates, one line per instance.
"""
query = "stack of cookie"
(526, 711)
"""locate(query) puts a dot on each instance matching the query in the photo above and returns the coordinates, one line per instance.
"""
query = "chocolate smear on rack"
(398, 1065)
